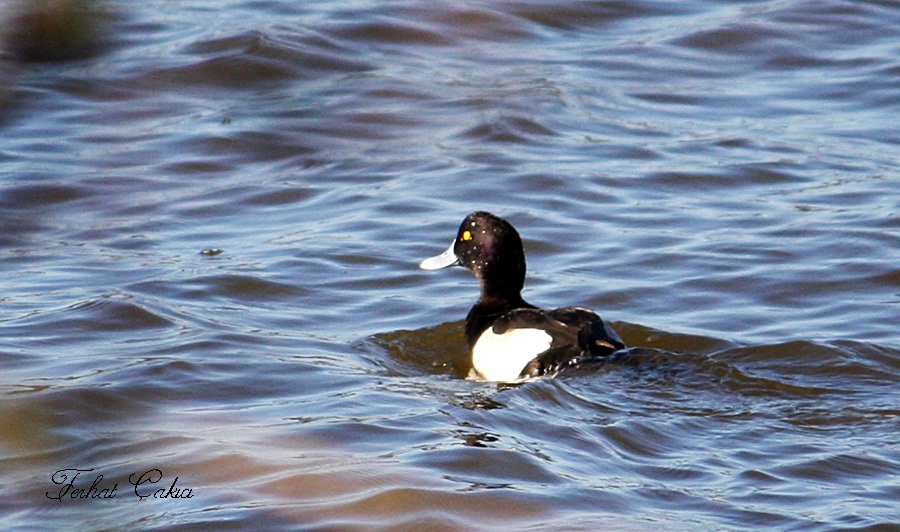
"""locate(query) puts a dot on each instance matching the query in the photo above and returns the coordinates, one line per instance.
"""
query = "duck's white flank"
(501, 357)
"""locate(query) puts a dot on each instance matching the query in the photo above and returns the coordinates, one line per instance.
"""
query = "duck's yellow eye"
(466, 236)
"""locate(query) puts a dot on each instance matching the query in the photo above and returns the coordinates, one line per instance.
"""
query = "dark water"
(211, 215)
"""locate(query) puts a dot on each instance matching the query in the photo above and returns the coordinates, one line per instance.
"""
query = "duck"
(508, 338)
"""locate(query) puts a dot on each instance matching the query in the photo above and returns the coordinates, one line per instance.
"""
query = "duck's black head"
(491, 248)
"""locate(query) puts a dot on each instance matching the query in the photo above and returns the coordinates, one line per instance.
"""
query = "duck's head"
(491, 248)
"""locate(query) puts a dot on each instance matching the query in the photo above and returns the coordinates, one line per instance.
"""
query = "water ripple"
(211, 219)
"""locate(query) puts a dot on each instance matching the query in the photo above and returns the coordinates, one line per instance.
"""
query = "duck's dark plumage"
(510, 338)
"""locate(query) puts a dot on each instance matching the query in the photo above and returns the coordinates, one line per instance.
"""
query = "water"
(212, 214)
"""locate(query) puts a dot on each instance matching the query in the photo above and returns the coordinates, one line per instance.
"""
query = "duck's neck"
(487, 310)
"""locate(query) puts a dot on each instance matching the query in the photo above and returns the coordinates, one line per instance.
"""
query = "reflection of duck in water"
(509, 338)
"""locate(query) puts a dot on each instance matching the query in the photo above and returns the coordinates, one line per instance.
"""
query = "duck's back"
(530, 342)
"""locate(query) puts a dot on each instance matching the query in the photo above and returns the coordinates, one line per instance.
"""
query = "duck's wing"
(594, 335)
(575, 332)
(534, 318)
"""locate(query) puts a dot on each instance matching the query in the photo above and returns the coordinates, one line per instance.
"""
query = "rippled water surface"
(211, 216)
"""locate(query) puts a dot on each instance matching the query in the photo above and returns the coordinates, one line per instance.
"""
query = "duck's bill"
(445, 259)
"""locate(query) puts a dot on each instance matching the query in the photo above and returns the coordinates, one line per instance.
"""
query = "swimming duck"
(509, 338)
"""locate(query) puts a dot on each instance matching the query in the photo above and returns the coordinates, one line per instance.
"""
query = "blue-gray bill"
(445, 259)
